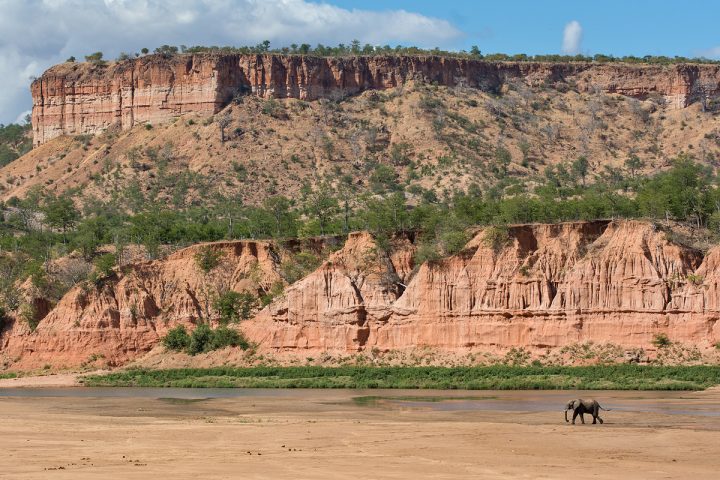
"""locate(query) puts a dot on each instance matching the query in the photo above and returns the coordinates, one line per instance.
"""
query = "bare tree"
(223, 122)
(638, 111)
(704, 92)
(551, 132)
(355, 149)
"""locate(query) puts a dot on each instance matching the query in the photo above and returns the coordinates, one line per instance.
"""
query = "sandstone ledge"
(82, 98)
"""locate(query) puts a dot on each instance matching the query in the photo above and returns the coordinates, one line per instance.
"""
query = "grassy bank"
(619, 377)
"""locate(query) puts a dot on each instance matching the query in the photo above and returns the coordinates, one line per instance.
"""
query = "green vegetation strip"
(8, 375)
(620, 377)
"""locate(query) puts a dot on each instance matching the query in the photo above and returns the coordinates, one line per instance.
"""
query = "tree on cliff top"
(95, 58)
(166, 51)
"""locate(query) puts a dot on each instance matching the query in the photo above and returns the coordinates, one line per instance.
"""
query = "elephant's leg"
(601, 420)
(575, 414)
(582, 417)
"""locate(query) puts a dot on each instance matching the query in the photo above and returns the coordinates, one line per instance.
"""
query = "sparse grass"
(8, 375)
(618, 377)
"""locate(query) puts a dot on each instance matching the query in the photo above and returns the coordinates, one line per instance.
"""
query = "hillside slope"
(421, 137)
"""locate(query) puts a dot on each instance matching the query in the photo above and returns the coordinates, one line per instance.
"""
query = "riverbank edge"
(613, 377)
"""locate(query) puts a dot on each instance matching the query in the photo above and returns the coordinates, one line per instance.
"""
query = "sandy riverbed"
(323, 434)
(50, 380)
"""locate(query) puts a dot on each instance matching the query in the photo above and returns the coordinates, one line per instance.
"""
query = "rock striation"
(546, 286)
(127, 314)
(533, 286)
(83, 98)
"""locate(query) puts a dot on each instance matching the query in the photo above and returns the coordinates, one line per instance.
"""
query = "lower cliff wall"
(541, 287)
(548, 286)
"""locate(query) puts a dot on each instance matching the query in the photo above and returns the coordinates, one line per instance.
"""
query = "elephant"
(580, 407)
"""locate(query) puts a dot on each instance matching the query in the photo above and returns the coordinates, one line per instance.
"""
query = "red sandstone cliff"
(86, 99)
(545, 286)
(126, 315)
(549, 286)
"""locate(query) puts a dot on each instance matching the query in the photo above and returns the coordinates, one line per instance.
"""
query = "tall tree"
(321, 204)
(279, 208)
(60, 212)
(580, 168)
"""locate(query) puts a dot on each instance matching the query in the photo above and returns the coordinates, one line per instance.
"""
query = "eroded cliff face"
(126, 314)
(545, 286)
(86, 99)
(534, 286)
(337, 305)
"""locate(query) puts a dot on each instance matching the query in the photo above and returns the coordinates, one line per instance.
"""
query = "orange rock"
(550, 286)
(540, 286)
(128, 313)
(82, 98)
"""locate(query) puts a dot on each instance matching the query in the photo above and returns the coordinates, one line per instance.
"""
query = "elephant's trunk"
(566, 419)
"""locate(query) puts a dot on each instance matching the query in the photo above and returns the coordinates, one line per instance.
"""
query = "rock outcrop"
(336, 305)
(531, 286)
(83, 98)
(546, 286)
(126, 314)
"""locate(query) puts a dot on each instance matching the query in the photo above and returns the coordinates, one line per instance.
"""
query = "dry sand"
(323, 434)
(50, 380)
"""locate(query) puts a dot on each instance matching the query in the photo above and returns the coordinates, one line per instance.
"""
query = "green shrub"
(105, 263)
(200, 339)
(503, 377)
(453, 241)
(274, 108)
(177, 339)
(204, 339)
(103, 268)
(496, 237)
(226, 337)
(38, 276)
(427, 252)
(299, 266)
(207, 258)
(429, 103)
(28, 312)
(234, 306)
(661, 340)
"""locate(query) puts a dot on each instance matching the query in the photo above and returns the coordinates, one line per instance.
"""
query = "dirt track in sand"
(323, 434)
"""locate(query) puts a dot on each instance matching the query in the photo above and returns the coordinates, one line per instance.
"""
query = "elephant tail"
(606, 409)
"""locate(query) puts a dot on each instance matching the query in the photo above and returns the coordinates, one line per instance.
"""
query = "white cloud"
(35, 34)
(572, 38)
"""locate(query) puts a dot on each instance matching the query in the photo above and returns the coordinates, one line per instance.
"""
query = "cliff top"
(76, 70)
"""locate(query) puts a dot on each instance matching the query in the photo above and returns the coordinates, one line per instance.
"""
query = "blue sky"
(629, 27)
(35, 34)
